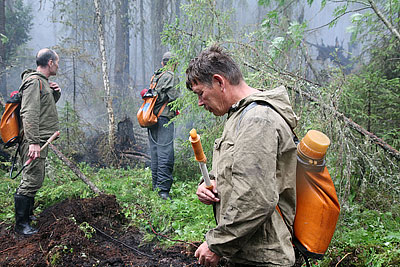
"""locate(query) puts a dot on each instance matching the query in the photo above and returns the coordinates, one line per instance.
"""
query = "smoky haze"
(80, 67)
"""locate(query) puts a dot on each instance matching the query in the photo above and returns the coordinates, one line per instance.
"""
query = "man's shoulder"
(32, 79)
(31, 74)
(167, 74)
(165, 77)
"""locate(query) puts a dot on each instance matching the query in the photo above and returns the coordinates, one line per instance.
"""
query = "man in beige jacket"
(39, 120)
(253, 166)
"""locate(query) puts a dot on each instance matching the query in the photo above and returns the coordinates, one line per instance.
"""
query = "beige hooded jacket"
(254, 164)
(38, 108)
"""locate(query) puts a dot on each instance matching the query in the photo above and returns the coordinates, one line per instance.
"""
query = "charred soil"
(87, 232)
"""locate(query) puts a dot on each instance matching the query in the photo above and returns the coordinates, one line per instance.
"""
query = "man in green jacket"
(39, 121)
(253, 166)
(161, 135)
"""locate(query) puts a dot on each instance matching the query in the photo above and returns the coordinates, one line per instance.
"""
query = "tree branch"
(385, 21)
(75, 169)
(334, 19)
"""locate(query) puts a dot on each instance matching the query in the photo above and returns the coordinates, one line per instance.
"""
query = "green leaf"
(264, 2)
(323, 4)
(356, 17)
(4, 39)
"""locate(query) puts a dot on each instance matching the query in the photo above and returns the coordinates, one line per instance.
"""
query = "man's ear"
(219, 79)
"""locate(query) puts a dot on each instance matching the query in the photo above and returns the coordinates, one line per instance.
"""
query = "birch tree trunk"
(106, 81)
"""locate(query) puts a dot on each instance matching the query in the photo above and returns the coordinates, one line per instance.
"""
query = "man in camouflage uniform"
(39, 121)
(253, 166)
(161, 136)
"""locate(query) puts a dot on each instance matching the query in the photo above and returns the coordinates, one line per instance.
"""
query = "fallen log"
(376, 140)
(75, 169)
(139, 158)
(136, 153)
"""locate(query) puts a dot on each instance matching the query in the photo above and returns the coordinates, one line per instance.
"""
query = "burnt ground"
(61, 242)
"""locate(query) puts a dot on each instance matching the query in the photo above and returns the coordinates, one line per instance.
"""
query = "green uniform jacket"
(167, 91)
(254, 164)
(38, 108)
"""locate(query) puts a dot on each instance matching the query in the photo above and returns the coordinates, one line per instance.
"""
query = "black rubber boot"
(32, 217)
(164, 195)
(22, 209)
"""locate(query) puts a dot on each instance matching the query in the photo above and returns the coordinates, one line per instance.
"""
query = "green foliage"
(184, 218)
(373, 102)
(87, 230)
(338, 12)
(18, 25)
(369, 28)
(268, 2)
(7, 190)
(71, 126)
(3, 38)
(371, 237)
(56, 253)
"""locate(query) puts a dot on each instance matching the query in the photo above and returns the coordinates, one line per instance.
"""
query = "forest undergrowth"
(364, 237)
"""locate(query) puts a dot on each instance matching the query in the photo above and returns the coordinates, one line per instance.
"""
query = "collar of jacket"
(30, 72)
(235, 107)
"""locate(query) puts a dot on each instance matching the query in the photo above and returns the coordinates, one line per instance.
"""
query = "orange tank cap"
(193, 134)
(314, 144)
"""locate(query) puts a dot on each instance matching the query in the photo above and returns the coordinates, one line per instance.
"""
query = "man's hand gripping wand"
(200, 157)
(51, 139)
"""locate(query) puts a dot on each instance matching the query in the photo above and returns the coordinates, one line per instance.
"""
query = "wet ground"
(87, 232)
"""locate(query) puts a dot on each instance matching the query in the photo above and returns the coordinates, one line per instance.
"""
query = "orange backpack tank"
(9, 126)
(10, 120)
(145, 114)
(317, 207)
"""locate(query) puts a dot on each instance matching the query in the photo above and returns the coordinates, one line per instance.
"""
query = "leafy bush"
(372, 238)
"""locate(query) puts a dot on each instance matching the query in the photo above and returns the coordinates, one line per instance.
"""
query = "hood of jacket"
(30, 72)
(277, 98)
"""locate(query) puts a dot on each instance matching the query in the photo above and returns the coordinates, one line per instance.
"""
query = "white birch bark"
(106, 81)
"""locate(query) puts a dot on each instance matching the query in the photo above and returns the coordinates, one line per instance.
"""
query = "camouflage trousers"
(33, 174)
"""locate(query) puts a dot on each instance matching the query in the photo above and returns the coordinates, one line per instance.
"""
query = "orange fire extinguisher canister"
(317, 207)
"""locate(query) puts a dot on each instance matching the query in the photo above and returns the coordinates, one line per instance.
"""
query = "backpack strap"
(162, 109)
(28, 79)
(255, 103)
(153, 87)
(247, 108)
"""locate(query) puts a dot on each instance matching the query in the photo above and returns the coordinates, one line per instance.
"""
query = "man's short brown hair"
(210, 61)
(44, 56)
